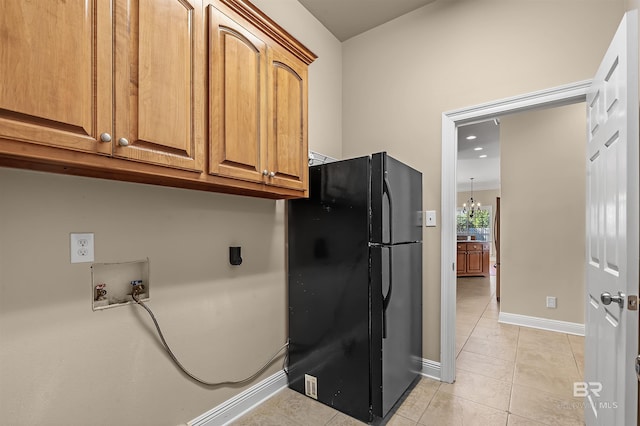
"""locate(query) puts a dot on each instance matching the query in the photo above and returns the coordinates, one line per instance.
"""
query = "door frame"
(553, 97)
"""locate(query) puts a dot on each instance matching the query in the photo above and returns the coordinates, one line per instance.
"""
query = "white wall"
(63, 364)
(400, 77)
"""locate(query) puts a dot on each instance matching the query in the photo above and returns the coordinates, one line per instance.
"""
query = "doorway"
(451, 121)
(478, 186)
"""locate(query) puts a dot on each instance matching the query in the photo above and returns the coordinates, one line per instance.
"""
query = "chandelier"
(471, 206)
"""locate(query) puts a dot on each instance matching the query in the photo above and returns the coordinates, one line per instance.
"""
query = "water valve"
(100, 292)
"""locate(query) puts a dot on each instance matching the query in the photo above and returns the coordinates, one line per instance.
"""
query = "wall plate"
(82, 250)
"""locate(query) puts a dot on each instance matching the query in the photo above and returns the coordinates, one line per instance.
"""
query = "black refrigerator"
(355, 285)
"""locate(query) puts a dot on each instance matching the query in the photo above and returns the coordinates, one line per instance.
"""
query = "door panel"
(404, 194)
(461, 262)
(611, 341)
(406, 188)
(474, 262)
(287, 160)
(159, 83)
(402, 346)
(237, 63)
(55, 63)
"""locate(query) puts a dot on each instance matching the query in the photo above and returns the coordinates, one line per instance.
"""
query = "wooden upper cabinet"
(159, 82)
(237, 102)
(287, 94)
(155, 91)
(55, 63)
(257, 98)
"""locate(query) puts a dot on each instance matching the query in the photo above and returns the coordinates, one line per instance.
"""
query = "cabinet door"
(287, 93)
(159, 82)
(55, 63)
(237, 99)
(474, 262)
(461, 262)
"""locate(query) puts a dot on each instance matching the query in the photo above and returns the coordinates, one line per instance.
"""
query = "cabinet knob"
(123, 142)
(265, 172)
(105, 137)
(272, 174)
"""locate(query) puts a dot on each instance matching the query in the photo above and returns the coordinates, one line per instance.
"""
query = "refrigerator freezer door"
(396, 201)
(397, 358)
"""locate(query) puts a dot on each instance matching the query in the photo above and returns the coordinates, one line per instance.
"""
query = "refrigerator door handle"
(387, 298)
(386, 190)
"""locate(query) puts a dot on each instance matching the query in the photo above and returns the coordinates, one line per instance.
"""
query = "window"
(479, 225)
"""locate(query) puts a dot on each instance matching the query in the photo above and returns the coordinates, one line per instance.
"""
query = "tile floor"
(506, 375)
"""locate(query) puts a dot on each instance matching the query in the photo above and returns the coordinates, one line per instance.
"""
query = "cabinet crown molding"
(257, 18)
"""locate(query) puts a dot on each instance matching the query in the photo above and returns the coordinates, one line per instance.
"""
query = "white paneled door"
(611, 342)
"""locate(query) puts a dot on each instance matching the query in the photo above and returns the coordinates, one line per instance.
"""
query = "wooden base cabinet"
(472, 259)
(118, 89)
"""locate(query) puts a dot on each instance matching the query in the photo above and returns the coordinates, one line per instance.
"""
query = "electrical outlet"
(551, 302)
(82, 248)
(311, 386)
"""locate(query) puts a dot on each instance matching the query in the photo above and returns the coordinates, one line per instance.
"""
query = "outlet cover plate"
(82, 248)
(551, 302)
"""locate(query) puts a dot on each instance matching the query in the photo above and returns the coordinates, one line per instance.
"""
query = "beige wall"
(543, 172)
(325, 74)
(399, 78)
(62, 364)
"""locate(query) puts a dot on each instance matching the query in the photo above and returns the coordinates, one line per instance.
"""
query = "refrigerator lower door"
(401, 286)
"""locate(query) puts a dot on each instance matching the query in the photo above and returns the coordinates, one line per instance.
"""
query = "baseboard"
(542, 323)
(238, 405)
(430, 369)
(243, 402)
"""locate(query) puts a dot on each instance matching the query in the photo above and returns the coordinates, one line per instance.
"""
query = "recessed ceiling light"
(483, 156)
(478, 148)
(470, 137)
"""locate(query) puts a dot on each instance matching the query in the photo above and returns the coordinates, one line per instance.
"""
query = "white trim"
(240, 404)
(562, 95)
(542, 323)
(430, 369)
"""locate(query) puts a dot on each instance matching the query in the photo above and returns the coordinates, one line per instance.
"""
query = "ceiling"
(348, 18)
(485, 171)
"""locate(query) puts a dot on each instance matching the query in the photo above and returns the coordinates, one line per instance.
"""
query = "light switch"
(430, 218)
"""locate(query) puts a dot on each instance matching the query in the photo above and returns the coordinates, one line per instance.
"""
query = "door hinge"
(632, 303)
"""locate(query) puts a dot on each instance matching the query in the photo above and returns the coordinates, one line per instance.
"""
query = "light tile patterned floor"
(506, 375)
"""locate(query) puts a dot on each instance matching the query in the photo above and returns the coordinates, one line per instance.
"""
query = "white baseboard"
(542, 323)
(243, 402)
(430, 369)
